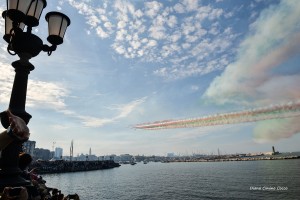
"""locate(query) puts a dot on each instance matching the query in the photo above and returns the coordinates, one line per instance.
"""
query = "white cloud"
(152, 32)
(135, 44)
(6, 81)
(190, 5)
(119, 49)
(121, 34)
(179, 8)
(138, 14)
(103, 18)
(39, 94)
(186, 45)
(152, 43)
(172, 21)
(46, 95)
(108, 25)
(101, 33)
(93, 21)
(121, 24)
(175, 36)
(157, 32)
(82, 7)
(94, 122)
(152, 8)
(215, 13)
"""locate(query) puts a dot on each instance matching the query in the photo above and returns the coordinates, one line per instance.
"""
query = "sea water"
(266, 179)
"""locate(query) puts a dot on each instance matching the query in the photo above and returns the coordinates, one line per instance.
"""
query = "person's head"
(54, 191)
(24, 160)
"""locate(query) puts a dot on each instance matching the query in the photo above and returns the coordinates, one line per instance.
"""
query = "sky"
(127, 62)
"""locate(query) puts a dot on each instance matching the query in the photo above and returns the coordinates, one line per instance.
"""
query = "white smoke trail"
(288, 110)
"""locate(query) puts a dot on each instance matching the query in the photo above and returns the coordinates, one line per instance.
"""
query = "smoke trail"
(272, 112)
(272, 130)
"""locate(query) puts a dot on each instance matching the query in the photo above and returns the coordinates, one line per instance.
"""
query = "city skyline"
(127, 62)
(68, 154)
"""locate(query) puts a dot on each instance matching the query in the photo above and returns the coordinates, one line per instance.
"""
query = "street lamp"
(21, 14)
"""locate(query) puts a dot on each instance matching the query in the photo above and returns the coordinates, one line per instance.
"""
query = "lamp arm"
(49, 49)
(13, 33)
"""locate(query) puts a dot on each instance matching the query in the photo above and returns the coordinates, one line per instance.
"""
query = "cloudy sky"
(126, 62)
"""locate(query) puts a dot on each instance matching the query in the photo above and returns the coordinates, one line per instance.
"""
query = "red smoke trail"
(265, 113)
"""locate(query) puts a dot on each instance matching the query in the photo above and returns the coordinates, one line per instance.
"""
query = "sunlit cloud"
(46, 95)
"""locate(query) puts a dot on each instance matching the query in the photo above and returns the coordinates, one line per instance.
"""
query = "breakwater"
(61, 166)
(225, 159)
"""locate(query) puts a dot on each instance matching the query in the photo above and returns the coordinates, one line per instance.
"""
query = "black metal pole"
(9, 161)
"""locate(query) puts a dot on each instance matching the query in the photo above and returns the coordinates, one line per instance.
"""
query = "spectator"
(17, 130)
(19, 193)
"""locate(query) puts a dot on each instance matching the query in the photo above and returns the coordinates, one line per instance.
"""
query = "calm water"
(215, 180)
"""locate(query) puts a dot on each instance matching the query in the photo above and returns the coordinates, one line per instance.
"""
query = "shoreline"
(234, 159)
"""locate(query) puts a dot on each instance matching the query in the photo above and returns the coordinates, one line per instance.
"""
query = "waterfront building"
(81, 157)
(43, 154)
(51, 154)
(170, 155)
(29, 147)
(58, 153)
(126, 158)
(110, 157)
(92, 157)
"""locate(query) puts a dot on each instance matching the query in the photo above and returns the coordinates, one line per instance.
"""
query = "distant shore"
(233, 159)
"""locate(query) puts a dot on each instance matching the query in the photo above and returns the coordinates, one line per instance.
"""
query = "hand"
(23, 194)
(32, 171)
(18, 126)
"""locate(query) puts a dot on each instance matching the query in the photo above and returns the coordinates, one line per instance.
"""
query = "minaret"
(90, 153)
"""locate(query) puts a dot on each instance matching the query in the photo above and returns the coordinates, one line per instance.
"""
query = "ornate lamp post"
(21, 14)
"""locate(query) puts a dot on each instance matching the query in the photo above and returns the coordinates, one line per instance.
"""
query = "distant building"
(29, 147)
(52, 154)
(58, 153)
(43, 154)
(126, 158)
(274, 152)
(170, 155)
(92, 158)
(110, 157)
(82, 157)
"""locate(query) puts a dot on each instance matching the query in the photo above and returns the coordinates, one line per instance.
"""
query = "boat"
(132, 163)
